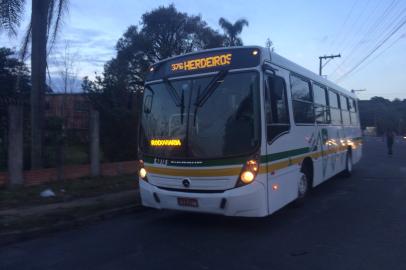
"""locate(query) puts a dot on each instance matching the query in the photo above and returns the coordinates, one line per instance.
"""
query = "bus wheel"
(303, 188)
(348, 165)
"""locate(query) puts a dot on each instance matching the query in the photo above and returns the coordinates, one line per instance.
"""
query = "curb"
(23, 235)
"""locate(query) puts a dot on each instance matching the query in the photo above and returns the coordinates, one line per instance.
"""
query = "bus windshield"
(198, 118)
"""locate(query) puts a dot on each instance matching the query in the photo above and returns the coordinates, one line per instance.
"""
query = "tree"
(14, 75)
(46, 17)
(233, 31)
(14, 84)
(164, 32)
(383, 114)
(67, 70)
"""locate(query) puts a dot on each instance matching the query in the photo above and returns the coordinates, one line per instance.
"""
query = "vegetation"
(14, 75)
(232, 31)
(46, 18)
(384, 114)
(164, 32)
(15, 84)
(65, 190)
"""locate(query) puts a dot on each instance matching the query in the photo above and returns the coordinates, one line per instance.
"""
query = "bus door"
(322, 120)
(277, 128)
(276, 106)
(324, 148)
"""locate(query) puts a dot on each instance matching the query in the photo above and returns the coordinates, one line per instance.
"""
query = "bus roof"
(266, 55)
(281, 61)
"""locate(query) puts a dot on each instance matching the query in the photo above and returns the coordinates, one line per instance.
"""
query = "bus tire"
(304, 186)
(348, 165)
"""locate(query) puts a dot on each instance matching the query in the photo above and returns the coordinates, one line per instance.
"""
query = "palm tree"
(233, 31)
(46, 18)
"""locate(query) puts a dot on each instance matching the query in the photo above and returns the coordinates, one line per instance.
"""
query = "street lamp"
(358, 90)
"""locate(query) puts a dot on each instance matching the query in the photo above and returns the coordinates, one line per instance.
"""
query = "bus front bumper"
(248, 201)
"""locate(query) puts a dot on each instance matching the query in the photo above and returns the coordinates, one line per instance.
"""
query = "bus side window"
(353, 111)
(322, 112)
(302, 100)
(334, 108)
(345, 113)
(277, 112)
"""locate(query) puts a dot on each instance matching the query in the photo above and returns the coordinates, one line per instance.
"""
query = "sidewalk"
(20, 223)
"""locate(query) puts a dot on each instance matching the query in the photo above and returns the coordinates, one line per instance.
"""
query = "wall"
(36, 177)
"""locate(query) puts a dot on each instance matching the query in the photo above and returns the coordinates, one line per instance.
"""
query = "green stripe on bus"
(285, 154)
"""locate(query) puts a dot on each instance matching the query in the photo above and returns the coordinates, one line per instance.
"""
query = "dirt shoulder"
(75, 202)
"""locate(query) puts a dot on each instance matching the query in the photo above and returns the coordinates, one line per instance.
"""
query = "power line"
(341, 29)
(384, 16)
(385, 31)
(387, 48)
(393, 23)
(351, 33)
(372, 29)
(382, 52)
(397, 28)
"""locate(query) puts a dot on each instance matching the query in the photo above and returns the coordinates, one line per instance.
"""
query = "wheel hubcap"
(302, 185)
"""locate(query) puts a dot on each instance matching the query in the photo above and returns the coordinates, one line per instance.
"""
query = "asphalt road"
(356, 223)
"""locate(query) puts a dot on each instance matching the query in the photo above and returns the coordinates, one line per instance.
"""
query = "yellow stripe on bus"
(194, 172)
(235, 171)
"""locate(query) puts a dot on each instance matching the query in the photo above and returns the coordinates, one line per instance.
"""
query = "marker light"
(275, 186)
(255, 52)
(143, 173)
(151, 69)
(247, 177)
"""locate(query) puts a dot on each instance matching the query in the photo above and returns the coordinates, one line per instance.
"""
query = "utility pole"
(326, 57)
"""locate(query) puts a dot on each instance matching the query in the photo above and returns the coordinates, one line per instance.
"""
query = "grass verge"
(65, 191)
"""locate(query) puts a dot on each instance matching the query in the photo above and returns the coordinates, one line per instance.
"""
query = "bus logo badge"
(186, 182)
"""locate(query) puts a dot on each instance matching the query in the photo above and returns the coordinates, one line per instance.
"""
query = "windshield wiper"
(211, 87)
(172, 92)
(179, 101)
(182, 106)
(208, 91)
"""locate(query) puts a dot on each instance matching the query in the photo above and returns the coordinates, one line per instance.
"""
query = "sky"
(367, 33)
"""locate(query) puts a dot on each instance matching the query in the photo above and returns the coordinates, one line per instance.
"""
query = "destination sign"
(172, 142)
(201, 63)
(206, 61)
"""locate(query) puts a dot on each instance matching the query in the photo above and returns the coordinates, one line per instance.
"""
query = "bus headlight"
(247, 177)
(248, 173)
(142, 173)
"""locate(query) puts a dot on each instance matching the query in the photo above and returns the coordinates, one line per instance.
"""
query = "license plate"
(189, 202)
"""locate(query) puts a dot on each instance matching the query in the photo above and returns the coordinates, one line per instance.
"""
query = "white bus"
(241, 132)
